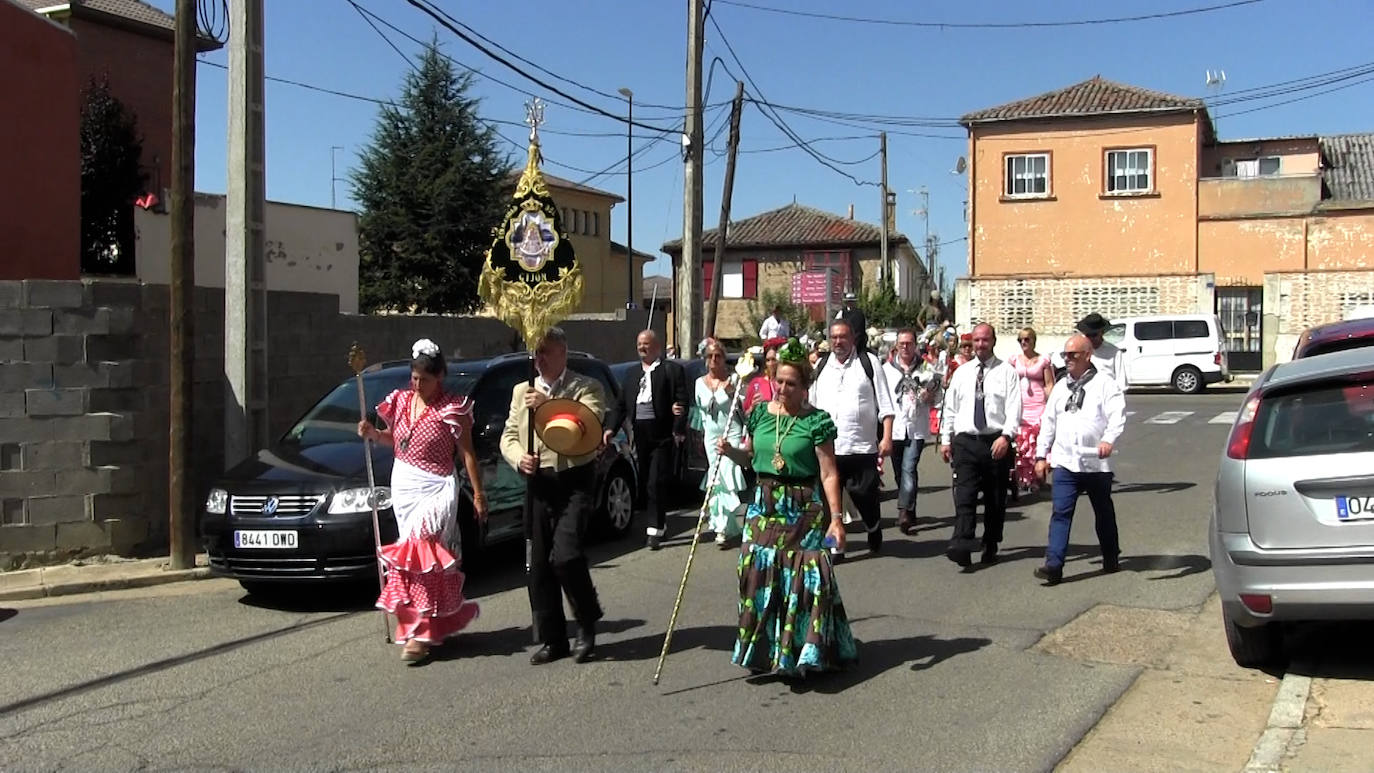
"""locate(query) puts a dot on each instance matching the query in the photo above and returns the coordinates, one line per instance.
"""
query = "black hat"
(1093, 324)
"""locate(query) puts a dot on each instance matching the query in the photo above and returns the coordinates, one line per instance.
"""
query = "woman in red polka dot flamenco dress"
(428, 428)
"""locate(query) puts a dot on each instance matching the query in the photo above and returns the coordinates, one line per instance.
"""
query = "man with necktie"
(981, 419)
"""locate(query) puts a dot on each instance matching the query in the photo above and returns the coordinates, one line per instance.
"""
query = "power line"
(988, 25)
(1297, 99)
(492, 55)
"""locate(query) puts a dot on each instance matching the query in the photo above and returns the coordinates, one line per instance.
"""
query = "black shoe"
(989, 556)
(961, 557)
(585, 645)
(655, 542)
(1051, 575)
(1111, 565)
(548, 654)
(906, 521)
(875, 541)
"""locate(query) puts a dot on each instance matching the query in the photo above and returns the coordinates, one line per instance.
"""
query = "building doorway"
(1242, 318)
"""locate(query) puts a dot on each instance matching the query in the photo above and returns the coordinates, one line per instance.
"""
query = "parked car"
(1292, 531)
(1185, 351)
(1335, 337)
(299, 510)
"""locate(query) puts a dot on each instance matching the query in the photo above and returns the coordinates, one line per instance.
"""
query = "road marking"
(1225, 417)
(1169, 417)
(1129, 414)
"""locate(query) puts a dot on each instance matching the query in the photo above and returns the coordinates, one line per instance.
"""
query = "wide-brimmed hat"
(849, 297)
(1093, 324)
(568, 427)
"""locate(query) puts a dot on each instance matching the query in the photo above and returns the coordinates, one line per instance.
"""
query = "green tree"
(431, 187)
(795, 314)
(882, 308)
(110, 180)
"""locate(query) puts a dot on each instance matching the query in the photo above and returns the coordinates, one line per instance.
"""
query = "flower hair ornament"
(425, 347)
(792, 352)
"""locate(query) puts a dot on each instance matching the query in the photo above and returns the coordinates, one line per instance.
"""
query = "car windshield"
(334, 419)
(1326, 418)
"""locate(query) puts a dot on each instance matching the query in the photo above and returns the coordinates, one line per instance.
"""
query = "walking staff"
(357, 359)
(743, 369)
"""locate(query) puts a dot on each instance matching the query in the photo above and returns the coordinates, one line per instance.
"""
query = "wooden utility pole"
(180, 494)
(687, 299)
(718, 257)
(885, 271)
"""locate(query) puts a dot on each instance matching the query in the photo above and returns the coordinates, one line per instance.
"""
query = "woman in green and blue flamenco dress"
(791, 618)
(712, 416)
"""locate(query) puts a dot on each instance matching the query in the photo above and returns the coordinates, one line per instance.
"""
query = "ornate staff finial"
(534, 116)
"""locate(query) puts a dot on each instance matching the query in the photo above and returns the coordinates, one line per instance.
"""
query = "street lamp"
(629, 199)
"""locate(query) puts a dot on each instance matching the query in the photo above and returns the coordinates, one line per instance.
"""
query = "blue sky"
(824, 64)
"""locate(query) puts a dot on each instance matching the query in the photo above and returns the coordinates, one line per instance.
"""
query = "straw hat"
(568, 427)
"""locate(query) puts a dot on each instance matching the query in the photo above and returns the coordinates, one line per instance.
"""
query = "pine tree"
(431, 187)
(110, 180)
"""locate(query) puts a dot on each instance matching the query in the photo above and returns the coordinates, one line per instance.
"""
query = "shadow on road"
(1334, 650)
(1178, 566)
(515, 640)
(7, 613)
(1153, 488)
(878, 657)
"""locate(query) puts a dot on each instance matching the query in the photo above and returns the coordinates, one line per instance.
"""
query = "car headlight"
(217, 502)
(356, 500)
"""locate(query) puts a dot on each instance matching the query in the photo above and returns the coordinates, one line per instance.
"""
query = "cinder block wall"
(84, 406)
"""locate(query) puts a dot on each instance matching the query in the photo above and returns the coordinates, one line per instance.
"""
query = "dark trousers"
(1067, 485)
(655, 470)
(976, 471)
(555, 526)
(859, 477)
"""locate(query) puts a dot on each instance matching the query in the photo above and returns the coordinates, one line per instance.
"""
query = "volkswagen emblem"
(270, 506)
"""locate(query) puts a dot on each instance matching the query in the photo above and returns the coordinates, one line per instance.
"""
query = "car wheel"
(619, 507)
(1252, 647)
(1188, 380)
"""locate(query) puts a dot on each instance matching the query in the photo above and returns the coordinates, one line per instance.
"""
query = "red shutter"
(706, 274)
(751, 278)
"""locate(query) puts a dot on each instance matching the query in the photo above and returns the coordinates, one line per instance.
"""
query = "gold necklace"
(778, 436)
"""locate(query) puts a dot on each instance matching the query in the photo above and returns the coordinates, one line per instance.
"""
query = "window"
(837, 261)
(1154, 331)
(577, 221)
(1317, 419)
(1266, 166)
(596, 224)
(1128, 171)
(1028, 175)
(741, 278)
(1191, 328)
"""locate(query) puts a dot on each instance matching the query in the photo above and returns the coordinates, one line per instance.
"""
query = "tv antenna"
(1215, 81)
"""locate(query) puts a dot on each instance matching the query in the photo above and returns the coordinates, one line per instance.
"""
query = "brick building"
(1112, 198)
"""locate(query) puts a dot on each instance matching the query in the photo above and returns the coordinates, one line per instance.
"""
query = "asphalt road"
(200, 675)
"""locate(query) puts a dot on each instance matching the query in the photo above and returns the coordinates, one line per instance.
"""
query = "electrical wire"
(212, 20)
(990, 25)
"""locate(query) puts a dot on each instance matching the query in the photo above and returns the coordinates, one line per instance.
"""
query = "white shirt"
(774, 328)
(856, 406)
(548, 387)
(1109, 362)
(646, 388)
(1001, 400)
(1069, 438)
(911, 420)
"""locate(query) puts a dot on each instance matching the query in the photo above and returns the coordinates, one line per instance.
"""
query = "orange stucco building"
(1117, 199)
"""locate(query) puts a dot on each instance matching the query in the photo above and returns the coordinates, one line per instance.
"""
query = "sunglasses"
(1068, 355)
(1025, 340)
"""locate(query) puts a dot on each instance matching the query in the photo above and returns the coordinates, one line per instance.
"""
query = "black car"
(299, 510)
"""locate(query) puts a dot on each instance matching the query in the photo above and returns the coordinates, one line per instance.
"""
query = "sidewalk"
(1319, 724)
(90, 577)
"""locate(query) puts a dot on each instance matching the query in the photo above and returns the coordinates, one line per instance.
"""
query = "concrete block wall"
(1295, 301)
(68, 353)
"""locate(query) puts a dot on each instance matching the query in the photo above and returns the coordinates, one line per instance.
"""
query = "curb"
(140, 575)
(1285, 724)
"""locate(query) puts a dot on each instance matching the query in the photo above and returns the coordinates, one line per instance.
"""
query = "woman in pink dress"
(1037, 378)
(760, 388)
(428, 428)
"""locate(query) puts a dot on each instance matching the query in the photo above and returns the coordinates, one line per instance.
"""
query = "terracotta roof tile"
(1091, 97)
(1350, 176)
(795, 225)
(132, 10)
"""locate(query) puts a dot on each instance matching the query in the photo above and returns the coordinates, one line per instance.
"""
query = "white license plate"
(271, 540)
(1355, 508)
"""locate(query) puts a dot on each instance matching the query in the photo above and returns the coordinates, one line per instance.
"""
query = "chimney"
(851, 211)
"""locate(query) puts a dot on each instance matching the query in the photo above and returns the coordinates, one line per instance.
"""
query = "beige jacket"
(575, 386)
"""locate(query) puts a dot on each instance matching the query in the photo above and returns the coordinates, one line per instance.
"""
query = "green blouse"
(798, 444)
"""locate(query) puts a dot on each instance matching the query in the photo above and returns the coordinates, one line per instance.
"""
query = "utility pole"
(245, 264)
(629, 198)
(333, 177)
(884, 268)
(180, 494)
(687, 300)
(718, 257)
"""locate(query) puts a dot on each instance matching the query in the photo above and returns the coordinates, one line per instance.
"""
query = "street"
(953, 672)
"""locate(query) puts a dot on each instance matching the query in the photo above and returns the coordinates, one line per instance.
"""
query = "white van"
(1185, 351)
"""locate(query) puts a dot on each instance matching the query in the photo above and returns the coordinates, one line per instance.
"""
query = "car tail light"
(1216, 358)
(1259, 603)
(1238, 445)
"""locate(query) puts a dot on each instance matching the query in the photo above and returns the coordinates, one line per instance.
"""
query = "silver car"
(1292, 534)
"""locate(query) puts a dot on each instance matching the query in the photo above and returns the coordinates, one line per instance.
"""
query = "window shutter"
(751, 278)
(706, 275)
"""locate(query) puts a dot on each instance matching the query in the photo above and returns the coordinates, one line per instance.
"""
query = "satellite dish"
(960, 165)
